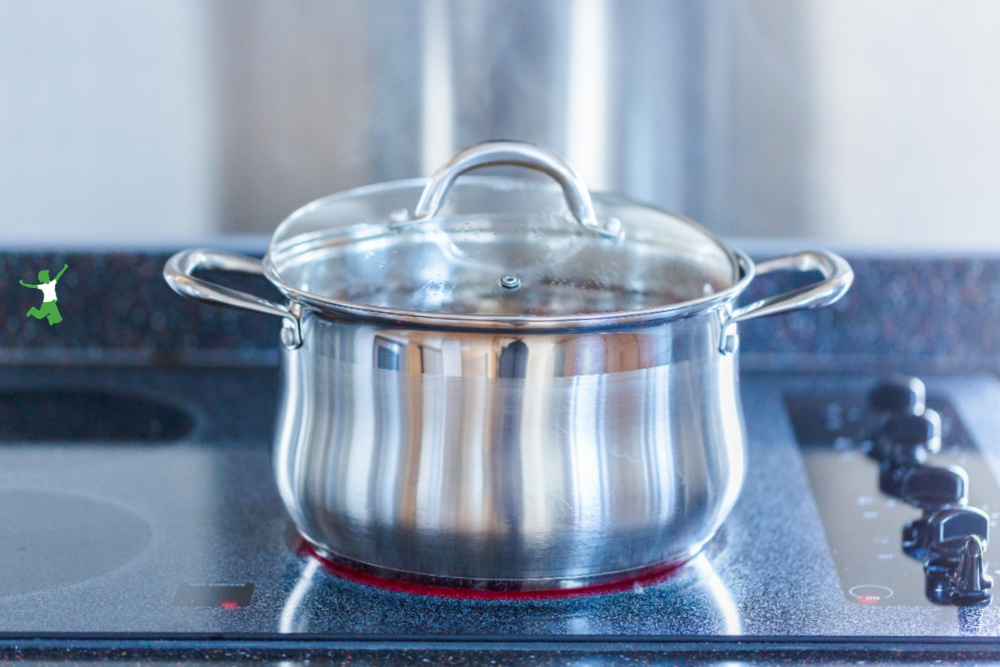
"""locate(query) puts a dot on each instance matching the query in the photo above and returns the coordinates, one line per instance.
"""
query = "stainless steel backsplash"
(170, 120)
(636, 94)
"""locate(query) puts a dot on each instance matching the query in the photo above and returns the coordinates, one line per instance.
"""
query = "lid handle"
(521, 155)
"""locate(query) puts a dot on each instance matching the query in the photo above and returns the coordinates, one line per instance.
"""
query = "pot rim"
(590, 321)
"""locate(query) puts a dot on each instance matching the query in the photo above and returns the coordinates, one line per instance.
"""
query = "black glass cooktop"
(172, 527)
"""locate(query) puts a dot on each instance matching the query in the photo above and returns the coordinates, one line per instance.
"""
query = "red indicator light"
(869, 599)
(229, 605)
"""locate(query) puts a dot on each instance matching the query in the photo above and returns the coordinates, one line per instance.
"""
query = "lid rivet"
(510, 282)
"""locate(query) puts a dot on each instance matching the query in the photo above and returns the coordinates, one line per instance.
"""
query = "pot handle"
(837, 278)
(520, 155)
(178, 269)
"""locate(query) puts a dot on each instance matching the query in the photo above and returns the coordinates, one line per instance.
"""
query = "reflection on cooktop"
(83, 415)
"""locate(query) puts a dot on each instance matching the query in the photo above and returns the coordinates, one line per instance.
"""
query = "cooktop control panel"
(906, 499)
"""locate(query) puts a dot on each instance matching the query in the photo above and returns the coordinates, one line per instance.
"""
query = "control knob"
(970, 583)
(930, 489)
(903, 443)
(898, 395)
(907, 439)
(949, 529)
(954, 535)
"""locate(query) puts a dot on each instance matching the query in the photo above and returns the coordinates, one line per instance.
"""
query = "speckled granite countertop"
(940, 313)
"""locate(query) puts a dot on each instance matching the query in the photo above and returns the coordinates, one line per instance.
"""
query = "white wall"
(905, 99)
(105, 123)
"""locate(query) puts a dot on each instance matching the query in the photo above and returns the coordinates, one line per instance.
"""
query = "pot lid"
(496, 249)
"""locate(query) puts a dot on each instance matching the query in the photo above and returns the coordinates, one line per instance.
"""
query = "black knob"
(900, 395)
(915, 539)
(938, 584)
(911, 430)
(906, 439)
(930, 489)
(970, 581)
(948, 530)
(891, 476)
(933, 488)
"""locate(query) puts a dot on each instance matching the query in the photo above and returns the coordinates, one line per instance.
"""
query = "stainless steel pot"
(489, 391)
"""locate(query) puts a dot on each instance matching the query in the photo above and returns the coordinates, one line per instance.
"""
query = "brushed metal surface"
(552, 460)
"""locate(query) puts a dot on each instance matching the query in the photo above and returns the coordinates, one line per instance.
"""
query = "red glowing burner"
(503, 590)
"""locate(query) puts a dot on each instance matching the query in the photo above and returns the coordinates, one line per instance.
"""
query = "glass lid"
(506, 249)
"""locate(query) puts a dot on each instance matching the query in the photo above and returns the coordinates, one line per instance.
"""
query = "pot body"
(543, 460)
(446, 421)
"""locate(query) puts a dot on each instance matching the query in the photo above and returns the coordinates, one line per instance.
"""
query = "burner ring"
(52, 540)
(467, 589)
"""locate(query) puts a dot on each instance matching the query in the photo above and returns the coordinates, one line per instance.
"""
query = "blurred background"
(167, 121)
